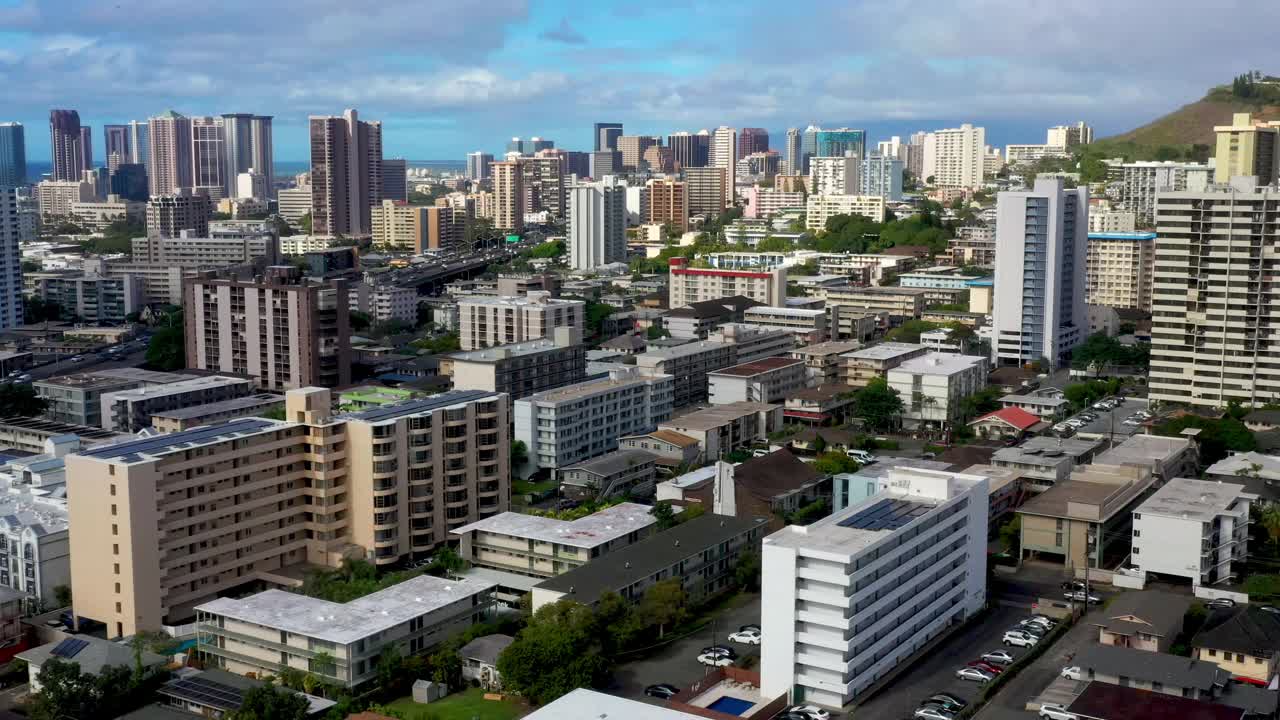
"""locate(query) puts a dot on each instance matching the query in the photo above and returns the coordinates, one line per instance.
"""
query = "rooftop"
(613, 462)
(591, 531)
(885, 351)
(879, 290)
(1114, 702)
(91, 653)
(833, 347)
(671, 436)
(1169, 670)
(582, 704)
(1016, 417)
(693, 348)
(1047, 451)
(262, 400)
(1041, 400)
(523, 300)
(52, 427)
(510, 350)
(421, 405)
(616, 380)
(784, 311)
(1143, 450)
(345, 623)
(85, 381)
(1095, 493)
(1201, 500)
(758, 367)
(137, 450)
(177, 388)
(486, 649)
(713, 417)
(1242, 629)
(936, 363)
(1122, 236)
(775, 474)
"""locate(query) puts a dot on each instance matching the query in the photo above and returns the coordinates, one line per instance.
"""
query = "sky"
(448, 77)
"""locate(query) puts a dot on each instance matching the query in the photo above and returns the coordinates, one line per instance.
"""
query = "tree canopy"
(878, 404)
(558, 651)
(20, 400)
(267, 702)
(552, 249)
(167, 349)
(857, 233)
(1217, 436)
(1109, 352)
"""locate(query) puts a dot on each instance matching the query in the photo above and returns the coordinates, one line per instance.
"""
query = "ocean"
(283, 168)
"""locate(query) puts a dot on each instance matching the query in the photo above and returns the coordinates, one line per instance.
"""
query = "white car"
(1072, 673)
(747, 637)
(1019, 638)
(933, 712)
(1080, 596)
(975, 674)
(1054, 711)
(999, 657)
(861, 456)
(813, 712)
(715, 660)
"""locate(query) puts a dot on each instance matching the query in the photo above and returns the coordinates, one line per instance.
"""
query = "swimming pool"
(731, 705)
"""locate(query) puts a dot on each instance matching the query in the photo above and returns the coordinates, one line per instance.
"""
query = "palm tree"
(1271, 521)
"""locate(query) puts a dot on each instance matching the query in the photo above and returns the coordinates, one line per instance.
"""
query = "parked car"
(748, 626)
(1080, 596)
(946, 700)
(933, 712)
(861, 456)
(1045, 620)
(1270, 609)
(984, 665)
(759, 452)
(719, 650)
(1221, 603)
(975, 674)
(746, 637)
(813, 712)
(1072, 673)
(662, 691)
(1034, 628)
(1054, 711)
(999, 657)
(1020, 638)
(1072, 585)
(715, 660)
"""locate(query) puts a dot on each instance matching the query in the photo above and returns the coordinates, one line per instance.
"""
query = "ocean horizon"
(283, 168)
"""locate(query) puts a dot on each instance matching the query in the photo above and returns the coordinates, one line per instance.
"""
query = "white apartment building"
(767, 202)
(1039, 308)
(835, 175)
(1141, 181)
(1031, 154)
(1211, 337)
(691, 285)
(809, 326)
(276, 630)
(293, 204)
(1195, 529)
(577, 422)
(189, 250)
(1120, 269)
(820, 207)
(851, 263)
(98, 214)
(723, 152)
(1107, 221)
(849, 597)
(770, 381)
(55, 198)
(882, 175)
(520, 369)
(303, 244)
(932, 385)
(688, 366)
(487, 321)
(383, 303)
(751, 343)
(129, 411)
(252, 184)
(34, 547)
(1069, 135)
(954, 157)
(597, 232)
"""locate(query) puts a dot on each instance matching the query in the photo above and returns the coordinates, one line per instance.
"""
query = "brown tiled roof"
(673, 437)
(777, 473)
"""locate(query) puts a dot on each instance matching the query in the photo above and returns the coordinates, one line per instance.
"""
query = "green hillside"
(1193, 124)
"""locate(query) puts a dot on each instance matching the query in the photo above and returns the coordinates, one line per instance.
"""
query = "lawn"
(524, 487)
(465, 705)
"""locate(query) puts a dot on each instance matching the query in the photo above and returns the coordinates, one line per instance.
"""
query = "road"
(92, 361)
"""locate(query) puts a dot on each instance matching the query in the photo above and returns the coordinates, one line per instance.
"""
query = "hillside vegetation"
(1193, 124)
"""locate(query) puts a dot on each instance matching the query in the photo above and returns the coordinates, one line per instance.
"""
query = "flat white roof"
(884, 351)
(345, 623)
(583, 704)
(935, 363)
(792, 312)
(1190, 499)
(593, 530)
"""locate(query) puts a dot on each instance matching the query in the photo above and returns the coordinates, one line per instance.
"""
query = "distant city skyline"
(552, 69)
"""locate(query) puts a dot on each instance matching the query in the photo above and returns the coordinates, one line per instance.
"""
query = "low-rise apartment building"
(97, 215)
(622, 472)
(179, 419)
(691, 285)
(521, 369)
(688, 366)
(888, 302)
(808, 326)
(702, 553)
(822, 361)
(862, 366)
(1194, 529)
(1049, 405)
(77, 399)
(485, 322)
(867, 268)
(276, 630)
(384, 303)
(669, 448)
(1120, 269)
(92, 299)
(35, 553)
(1085, 520)
(932, 385)
(577, 422)
(1165, 457)
(769, 381)
(751, 343)
(721, 429)
(129, 411)
(698, 320)
(819, 208)
(1045, 461)
(851, 596)
(189, 250)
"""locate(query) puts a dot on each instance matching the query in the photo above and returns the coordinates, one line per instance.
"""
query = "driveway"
(677, 663)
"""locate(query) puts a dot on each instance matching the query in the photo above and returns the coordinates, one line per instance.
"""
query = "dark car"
(749, 626)
(719, 650)
(662, 691)
(946, 700)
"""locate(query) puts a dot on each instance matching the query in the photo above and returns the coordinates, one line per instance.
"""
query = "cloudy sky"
(449, 77)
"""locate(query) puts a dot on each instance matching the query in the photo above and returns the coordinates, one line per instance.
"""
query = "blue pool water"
(731, 705)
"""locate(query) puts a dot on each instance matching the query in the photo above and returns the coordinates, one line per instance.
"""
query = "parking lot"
(1110, 423)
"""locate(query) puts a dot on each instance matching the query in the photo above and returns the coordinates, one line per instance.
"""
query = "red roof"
(1017, 417)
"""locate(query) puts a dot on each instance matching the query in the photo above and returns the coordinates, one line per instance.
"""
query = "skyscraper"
(508, 190)
(209, 158)
(597, 225)
(842, 142)
(346, 173)
(169, 150)
(791, 152)
(955, 157)
(478, 165)
(668, 204)
(10, 260)
(395, 179)
(724, 148)
(1041, 242)
(139, 143)
(65, 145)
(86, 146)
(752, 140)
(632, 148)
(606, 136)
(689, 150)
(116, 142)
(168, 215)
(13, 155)
(808, 148)
(249, 147)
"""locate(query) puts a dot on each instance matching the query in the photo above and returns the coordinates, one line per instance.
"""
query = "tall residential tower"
(346, 173)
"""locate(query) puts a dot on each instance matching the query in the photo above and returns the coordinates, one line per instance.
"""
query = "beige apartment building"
(397, 225)
(508, 196)
(888, 301)
(189, 250)
(1247, 148)
(488, 321)
(691, 285)
(162, 525)
(710, 189)
(56, 198)
(284, 331)
(668, 203)
(99, 214)
(1120, 269)
(821, 207)
(169, 215)
(862, 366)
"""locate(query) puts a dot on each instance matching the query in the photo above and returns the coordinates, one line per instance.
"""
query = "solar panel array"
(887, 514)
(453, 397)
(178, 441)
(205, 692)
(69, 648)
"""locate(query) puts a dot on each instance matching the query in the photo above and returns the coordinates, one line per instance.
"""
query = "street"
(93, 361)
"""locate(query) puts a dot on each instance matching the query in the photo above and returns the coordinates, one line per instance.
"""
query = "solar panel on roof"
(189, 438)
(417, 406)
(69, 648)
(206, 692)
(887, 514)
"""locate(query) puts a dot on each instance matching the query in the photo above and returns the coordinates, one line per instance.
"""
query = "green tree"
(663, 514)
(20, 400)
(36, 309)
(621, 626)
(663, 604)
(304, 224)
(65, 692)
(1271, 522)
(747, 572)
(1011, 535)
(818, 445)
(446, 561)
(774, 244)
(654, 332)
(558, 651)
(266, 702)
(909, 331)
(62, 594)
(878, 404)
(446, 666)
(519, 453)
(833, 463)
(1216, 438)
(597, 313)
(167, 349)
(552, 249)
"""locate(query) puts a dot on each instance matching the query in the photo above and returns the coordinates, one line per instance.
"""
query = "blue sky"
(448, 77)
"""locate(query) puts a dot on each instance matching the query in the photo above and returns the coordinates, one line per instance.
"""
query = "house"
(1158, 672)
(1257, 472)
(1012, 379)
(1104, 701)
(584, 704)
(818, 405)
(777, 484)
(1261, 420)
(1048, 404)
(480, 660)
(1243, 640)
(211, 693)
(1047, 461)
(670, 448)
(620, 472)
(90, 653)
(1149, 620)
(721, 429)
(833, 439)
(1006, 423)
(628, 344)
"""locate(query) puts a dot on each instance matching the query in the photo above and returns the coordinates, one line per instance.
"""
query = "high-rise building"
(1141, 181)
(892, 148)
(530, 146)
(209, 158)
(115, 142)
(605, 162)
(668, 204)
(606, 136)
(13, 155)
(632, 148)
(346, 173)
(446, 228)
(837, 175)
(658, 159)
(597, 231)
(791, 152)
(55, 198)
(508, 190)
(1211, 337)
(710, 189)
(542, 181)
(10, 260)
(168, 215)
(1119, 269)
(808, 148)
(1066, 136)
(955, 157)
(399, 226)
(251, 184)
(249, 146)
(169, 149)
(86, 146)
(915, 154)
(752, 140)
(139, 143)
(395, 179)
(489, 321)
(66, 145)
(478, 165)
(842, 142)
(280, 329)
(882, 175)
(1041, 248)
(129, 181)
(724, 148)
(1246, 148)
(689, 150)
